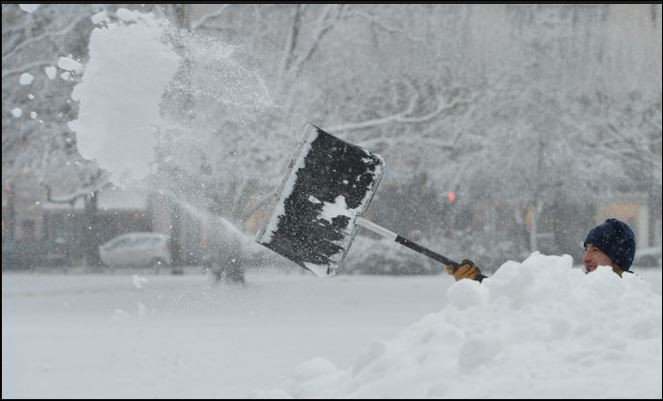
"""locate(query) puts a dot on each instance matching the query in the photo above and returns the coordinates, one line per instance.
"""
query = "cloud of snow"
(100, 18)
(128, 80)
(120, 93)
(128, 15)
(534, 329)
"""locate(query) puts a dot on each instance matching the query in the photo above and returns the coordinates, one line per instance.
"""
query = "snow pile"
(534, 329)
(120, 93)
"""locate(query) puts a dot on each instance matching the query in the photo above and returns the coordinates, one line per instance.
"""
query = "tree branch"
(27, 42)
(402, 118)
(291, 41)
(81, 192)
(322, 30)
(201, 21)
(376, 21)
(13, 71)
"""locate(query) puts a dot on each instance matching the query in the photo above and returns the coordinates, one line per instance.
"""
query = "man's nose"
(585, 257)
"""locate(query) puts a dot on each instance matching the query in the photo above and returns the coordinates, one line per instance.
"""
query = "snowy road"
(125, 335)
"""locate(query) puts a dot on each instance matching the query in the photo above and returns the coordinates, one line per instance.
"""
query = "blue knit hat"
(615, 238)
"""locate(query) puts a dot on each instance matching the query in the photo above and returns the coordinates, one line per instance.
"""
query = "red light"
(451, 196)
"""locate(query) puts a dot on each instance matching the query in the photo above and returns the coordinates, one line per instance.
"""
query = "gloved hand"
(466, 269)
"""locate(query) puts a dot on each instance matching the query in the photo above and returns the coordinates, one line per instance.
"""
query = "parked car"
(137, 249)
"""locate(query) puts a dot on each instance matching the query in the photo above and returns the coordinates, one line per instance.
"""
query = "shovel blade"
(330, 183)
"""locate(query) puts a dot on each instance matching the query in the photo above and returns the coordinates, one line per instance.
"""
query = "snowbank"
(534, 329)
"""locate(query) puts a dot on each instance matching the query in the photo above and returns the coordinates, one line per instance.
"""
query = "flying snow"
(50, 72)
(69, 64)
(25, 78)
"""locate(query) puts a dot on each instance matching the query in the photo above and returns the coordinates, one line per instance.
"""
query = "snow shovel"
(321, 201)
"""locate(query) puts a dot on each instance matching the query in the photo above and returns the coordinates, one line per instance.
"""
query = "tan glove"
(466, 269)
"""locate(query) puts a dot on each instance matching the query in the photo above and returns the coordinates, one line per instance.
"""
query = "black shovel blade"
(329, 184)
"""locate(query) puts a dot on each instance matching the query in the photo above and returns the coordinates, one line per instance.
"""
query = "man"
(609, 244)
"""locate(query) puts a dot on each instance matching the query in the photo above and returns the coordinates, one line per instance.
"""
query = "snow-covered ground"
(125, 335)
(519, 333)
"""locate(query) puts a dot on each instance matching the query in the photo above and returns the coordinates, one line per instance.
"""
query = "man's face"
(594, 257)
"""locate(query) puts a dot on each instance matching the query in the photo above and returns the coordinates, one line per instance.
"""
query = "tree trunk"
(536, 212)
(175, 240)
(11, 211)
(90, 230)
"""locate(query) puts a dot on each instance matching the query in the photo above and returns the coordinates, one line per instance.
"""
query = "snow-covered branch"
(323, 27)
(79, 192)
(8, 53)
(291, 41)
(202, 20)
(26, 67)
(402, 118)
(375, 20)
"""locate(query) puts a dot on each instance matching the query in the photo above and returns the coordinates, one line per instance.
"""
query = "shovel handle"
(404, 241)
(425, 251)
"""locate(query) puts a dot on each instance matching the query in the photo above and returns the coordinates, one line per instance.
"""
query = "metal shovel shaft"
(404, 241)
